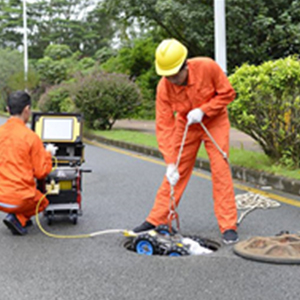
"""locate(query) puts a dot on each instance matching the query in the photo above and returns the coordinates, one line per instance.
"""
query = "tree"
(272, 30)
(257, 30)
(80, 24)
(10, 23)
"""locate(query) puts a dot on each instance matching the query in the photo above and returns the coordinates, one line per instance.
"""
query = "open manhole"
(281, 249)
(161, 242)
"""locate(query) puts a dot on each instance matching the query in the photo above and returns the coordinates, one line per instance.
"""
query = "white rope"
(182, 145)
(224, 154)
(172, 202)
(251, 201)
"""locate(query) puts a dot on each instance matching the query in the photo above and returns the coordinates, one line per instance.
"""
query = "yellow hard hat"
(169, 57)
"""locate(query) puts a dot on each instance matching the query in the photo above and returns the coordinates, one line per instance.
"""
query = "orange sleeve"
(165, 126)
(224, 91)
(41, 159)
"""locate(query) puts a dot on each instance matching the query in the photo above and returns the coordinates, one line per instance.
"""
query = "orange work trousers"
(24, 209)
(223, 192)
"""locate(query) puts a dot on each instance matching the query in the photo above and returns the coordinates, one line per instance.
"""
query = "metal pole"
(220, 34)
(25, 45)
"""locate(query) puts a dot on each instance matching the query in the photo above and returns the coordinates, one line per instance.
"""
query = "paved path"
(118, 194)
(238, 139)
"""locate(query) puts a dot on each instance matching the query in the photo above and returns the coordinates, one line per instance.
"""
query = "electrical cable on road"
(79, 236)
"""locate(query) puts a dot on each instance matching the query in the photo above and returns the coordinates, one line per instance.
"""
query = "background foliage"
(117, 36)
(268, 107)
(272, 26)
(137, 62)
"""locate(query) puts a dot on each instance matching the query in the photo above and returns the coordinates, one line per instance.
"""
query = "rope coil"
(250, 201)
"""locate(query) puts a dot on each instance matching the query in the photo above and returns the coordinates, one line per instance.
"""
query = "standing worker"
(192, 91)
(22, 159)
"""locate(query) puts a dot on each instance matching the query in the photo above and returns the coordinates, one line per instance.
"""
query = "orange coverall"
(208, 89)
(22, 158)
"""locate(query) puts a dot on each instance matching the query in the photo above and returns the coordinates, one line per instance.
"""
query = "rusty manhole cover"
(283, 249)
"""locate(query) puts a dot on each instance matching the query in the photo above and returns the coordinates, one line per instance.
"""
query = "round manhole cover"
(160, 242)
(282, 249)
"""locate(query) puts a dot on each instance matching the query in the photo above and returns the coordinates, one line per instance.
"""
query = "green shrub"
(52, 71)
(267, 107)
(86, 63)
(104, 98)
(57, 99)
(58, 52)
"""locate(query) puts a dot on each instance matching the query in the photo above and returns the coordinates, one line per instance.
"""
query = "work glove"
(51, 148)
(195, 116)
(172, 174)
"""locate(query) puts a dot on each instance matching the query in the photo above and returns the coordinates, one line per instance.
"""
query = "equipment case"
(64, 184)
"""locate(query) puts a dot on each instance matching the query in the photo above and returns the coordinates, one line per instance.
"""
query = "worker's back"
(16, 164)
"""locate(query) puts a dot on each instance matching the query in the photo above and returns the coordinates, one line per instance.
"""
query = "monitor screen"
(58, 129)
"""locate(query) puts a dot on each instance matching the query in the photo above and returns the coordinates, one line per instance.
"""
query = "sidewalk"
(238, 139)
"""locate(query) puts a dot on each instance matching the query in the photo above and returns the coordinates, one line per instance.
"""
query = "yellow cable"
(57, 236)
(55, 163)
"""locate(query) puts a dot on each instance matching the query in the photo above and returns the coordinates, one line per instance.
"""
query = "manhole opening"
(164, 244)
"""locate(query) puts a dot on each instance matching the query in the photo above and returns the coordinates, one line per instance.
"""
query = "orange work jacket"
(22, 158)
(207, 88)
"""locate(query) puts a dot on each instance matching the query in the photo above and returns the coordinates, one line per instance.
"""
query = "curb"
(278, 183)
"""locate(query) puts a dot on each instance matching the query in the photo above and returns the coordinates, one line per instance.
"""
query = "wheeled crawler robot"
(162, 241)
(64, 184)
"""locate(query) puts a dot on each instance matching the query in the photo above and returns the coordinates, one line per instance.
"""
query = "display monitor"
(59, 129)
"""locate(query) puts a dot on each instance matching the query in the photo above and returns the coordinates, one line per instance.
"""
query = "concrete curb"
(279, 183)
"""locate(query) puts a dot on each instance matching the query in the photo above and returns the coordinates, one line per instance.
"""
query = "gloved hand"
(51, 148)
(172, 174)
(195, 116)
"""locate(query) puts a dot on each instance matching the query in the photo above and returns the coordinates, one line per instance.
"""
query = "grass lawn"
(238, 157)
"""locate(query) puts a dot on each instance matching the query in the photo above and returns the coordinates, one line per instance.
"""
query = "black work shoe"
(14, 225)
(143, 227)
(230, 237)
(28, 223)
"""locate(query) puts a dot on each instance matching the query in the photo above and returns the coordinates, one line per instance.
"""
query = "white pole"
(25, 44)
(220, 34)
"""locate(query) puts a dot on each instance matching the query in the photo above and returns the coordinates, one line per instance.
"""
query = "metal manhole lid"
(283, 249)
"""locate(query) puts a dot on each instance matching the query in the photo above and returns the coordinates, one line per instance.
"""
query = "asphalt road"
(118, 194)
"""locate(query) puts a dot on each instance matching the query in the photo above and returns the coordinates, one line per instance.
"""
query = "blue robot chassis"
(160, 241)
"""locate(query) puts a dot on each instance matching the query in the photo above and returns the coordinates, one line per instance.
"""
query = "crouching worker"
(22, 159)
